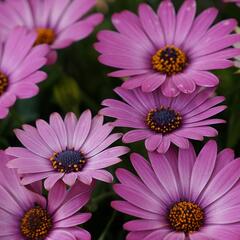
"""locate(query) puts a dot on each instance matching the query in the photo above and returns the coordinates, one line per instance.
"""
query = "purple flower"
(163, 120)
(163, 50)
(19, 68)
(28, 215)
(58, 23)
(69, 150)
(182, 197)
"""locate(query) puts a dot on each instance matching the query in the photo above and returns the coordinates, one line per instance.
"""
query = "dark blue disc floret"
(163, 120)
(68, 161)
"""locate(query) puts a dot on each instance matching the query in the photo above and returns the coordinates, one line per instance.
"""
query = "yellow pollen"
(186, 217)
(45, 36)
(36, 224)
(3, 83)
(163, 120)
(169, 60)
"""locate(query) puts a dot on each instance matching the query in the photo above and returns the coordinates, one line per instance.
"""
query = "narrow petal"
(57, 124)
(203, 169)
(165, 174)
(166, 13)
(221, 183)
(185, 165)
(52, 180)
(82, 129)
(48, 135)
(153, 142)
(56, 196)
(151, 25)
(184, 20)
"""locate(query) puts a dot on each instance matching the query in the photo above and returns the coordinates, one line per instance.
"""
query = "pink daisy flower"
(26, 215)
(161, 120)
(163, 50)
(19, 68)
(69, 150)
(58, 23)
(182, 197)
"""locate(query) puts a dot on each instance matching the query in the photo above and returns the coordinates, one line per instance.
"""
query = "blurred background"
(78, 81)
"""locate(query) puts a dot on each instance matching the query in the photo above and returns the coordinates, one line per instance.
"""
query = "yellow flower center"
(169, 60)
(45, 36)
(3, 83)
(163, 120)
(36, 224)
(186, 217)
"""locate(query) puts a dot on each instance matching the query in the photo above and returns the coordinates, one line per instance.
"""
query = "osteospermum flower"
(163, 120)
(69, 150)
(58, 23)
(19, 68)
(182, 197)
(26, 215)
(174, 52)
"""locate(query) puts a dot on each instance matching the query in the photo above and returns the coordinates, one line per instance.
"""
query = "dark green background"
(78, 81)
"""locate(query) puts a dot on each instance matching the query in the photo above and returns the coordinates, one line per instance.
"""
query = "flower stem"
(104, 233)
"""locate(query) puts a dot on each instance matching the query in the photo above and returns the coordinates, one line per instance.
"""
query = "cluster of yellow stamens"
(68, 161)
(169, 60)
(163, 120)
(45, 36)
(186, 217)
(36, 224)
(3, 83)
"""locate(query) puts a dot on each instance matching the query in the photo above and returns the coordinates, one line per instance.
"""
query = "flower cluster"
(168, 99)
(31, 32)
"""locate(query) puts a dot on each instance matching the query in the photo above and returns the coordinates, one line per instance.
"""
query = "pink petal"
(185, 165)
(166, 13)
(48, 135)
(185, 17)
(82, 129)
(56, 196)
(165, 174)
(52, 180)
(73, 221)
(70, 122)
(57, 124)
(151, 25)
(203, 169)
(152, 142)
(136, 135)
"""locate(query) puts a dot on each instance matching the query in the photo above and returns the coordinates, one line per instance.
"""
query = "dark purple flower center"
(3, 83)
(68, 161)
(163, 120)
(169, 60)
(45, 36)
(186, 217)
(36, 224)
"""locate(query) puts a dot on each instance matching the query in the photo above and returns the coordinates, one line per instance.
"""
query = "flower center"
(36, 224)
(186, 217)
(3, 83)
(45, 36)
(68, 161)
(169, 60)
(163, 120)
